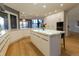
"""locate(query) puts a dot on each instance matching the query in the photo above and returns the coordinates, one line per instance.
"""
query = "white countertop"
(48, 32)
(3, 32)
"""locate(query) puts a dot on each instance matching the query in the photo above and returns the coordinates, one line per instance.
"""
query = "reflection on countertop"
(48, 32)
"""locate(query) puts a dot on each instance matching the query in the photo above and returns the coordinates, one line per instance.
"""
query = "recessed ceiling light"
(61, 5)
(44, 6)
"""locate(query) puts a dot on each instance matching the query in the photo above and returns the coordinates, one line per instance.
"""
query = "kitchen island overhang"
(47, 41)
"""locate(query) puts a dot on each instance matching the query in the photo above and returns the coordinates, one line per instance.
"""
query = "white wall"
(73, 24)
(73, 17)
(51, 20)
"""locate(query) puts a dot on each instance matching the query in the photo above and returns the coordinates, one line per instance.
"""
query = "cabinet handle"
(4, 45)
(6, 36)
(2, 41)
(40, 37)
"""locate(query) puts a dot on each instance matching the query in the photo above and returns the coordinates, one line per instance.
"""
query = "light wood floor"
(24, 47)
(72, 45)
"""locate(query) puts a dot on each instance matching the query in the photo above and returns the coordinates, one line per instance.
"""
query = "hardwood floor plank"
(25, 47)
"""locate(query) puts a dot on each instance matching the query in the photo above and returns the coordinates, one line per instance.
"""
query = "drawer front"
(4, 44)
(40, 43)
(2, 39)
(44, 46)
(4, 50)
(41, 35)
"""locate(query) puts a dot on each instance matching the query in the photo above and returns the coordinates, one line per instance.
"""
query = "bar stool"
(63, 37)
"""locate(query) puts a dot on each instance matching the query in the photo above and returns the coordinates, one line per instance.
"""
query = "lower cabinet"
(10, 37)
(41, 43)
(4, 43)
(48, 45)
(18, 34)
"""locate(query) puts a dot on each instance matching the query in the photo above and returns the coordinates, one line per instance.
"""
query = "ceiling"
(33, 10)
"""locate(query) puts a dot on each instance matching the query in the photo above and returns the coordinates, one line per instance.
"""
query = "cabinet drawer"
(41, 43)
(45, 37)
(44, 46)
(3, 52)
(3, 42)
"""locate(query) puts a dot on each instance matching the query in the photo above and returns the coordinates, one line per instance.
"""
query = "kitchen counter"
(48, 32)
(8, 37)
(3, 32)
(47, 41)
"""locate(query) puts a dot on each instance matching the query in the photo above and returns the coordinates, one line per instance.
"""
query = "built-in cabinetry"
(4, 43)
(47, 41)
(7, 38)
(15, 35)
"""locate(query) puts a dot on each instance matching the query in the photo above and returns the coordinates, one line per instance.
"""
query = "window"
(23, 24)
(34, 23)
(3, 21)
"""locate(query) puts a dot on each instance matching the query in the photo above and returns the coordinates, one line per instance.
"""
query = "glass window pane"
(23, 24)
(3, 21)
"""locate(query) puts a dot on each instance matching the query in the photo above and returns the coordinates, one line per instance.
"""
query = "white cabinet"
(14, 36)
(18, 34)
(25, 32)
(4, 43)
(10, 37)
(49, 45)
(40, 42)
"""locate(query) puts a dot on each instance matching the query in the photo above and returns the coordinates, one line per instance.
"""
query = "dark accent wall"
(13, 22)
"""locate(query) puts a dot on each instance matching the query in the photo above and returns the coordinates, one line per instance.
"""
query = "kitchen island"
(47, 41)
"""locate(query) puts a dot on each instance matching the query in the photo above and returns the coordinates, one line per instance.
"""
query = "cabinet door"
(13, 36)
(4, 45)
(44, 46)
(34, 40)
(25, 32)
(41, 43)
(3, 52)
